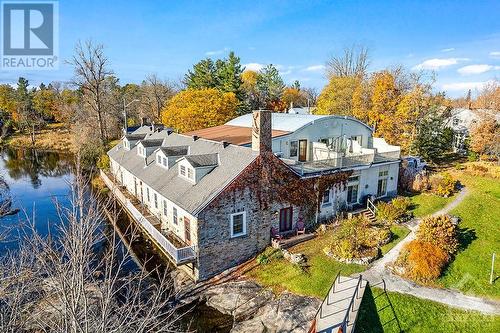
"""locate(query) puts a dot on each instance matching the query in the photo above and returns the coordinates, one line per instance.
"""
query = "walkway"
(453, 298)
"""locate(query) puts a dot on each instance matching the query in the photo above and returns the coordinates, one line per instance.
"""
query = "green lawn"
(280, 274)
(417, 315)
(480, 225)
(399, 232)
(427, 203)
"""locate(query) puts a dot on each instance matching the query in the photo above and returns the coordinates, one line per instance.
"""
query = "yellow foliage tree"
(485, 137)
(7, 99)
(337, 97)
(194, 109)
(293, 96)
(385, 99)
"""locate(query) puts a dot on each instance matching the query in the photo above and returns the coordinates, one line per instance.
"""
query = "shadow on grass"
(376, 314)
(368, 318)
(465, 237)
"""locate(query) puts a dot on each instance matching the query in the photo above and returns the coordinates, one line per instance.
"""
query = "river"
(36, 179)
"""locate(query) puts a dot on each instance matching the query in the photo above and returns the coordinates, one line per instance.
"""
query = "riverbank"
(54, 137)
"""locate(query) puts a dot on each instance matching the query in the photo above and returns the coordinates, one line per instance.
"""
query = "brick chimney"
(261, 131)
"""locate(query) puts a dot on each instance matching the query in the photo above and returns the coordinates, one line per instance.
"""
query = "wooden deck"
(340, 307)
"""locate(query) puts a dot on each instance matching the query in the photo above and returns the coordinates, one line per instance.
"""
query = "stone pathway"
(378, 271)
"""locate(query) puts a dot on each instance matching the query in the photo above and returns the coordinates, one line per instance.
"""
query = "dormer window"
(141, 151)
(182, 170)
(190, 173)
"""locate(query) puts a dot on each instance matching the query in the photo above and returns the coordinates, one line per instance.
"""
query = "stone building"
(214, 201)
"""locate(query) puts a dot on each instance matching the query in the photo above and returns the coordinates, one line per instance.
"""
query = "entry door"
(382, 187)
(286, 219)
(187, 231)
(302, 150)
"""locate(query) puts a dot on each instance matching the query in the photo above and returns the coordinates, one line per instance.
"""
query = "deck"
(340, 307)
(169, 244)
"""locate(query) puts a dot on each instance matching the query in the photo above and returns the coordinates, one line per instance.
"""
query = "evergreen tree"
(433, 139)
(203, 75)
(270, 84)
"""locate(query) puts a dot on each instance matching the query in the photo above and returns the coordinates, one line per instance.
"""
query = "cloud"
(253, 66)
(438, 63)
(463, 86)
(448, 49)
(315, 68)
(216, 52)
(495, 54)
(476, 69)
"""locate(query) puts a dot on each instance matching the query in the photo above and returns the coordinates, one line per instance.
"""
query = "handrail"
(371, 206)
(177, 254)
(351, 303)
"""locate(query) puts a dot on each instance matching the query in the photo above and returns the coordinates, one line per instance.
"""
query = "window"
(164, 162)
(383, 173)
(352, 194)
(357, 138)
(156, 200)
(183, 170)
(455, 121)
(190, 173)
(326, 197)
(158, 159)
(382, 187)
(165, 207)
(147, 193)
(294, 147)
(238, 224)
(174, 213)
(354, 179)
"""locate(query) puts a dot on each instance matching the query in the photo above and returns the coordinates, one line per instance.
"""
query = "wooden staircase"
(339, 310)
(368, 214)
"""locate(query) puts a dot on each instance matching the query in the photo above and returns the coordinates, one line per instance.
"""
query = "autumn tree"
(353, 62)
(293, 96)
(485, 137)
(337, 97)
(249, 86)
(45, 101)
(489, 98)
(67, 104)
(90, 74)
(194, 109)
(384, 101)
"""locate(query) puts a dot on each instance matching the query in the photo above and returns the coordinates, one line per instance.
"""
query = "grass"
(469, 272)
(426, 203)
(281, 275)
(417, 315)
(52, 137)
(399, 232)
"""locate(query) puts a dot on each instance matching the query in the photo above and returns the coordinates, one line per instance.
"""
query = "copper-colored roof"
(237, 135)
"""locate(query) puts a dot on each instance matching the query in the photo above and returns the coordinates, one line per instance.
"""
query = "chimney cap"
(225, 144)
(195, 137)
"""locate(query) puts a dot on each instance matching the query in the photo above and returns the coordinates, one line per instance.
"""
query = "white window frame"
(231, 224)
(165, 211)
(175, 217)
(181, 169)
(296, 148)
(188, 171)
(326, 203)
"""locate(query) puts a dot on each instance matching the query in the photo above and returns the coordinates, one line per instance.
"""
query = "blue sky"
(460, 40)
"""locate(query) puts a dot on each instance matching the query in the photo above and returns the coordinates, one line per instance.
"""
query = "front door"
(286, 219)
(302, 150)
(187, 231)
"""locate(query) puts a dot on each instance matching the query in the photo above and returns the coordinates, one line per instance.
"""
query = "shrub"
(262, 259)
(423, 261)
(472, 156)
(440, 231)
(393, 211)
(443, 185)
(103, 162)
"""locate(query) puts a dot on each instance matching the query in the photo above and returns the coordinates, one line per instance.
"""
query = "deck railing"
(178, 255)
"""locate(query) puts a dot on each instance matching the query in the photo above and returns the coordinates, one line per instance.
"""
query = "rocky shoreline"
(255, 308)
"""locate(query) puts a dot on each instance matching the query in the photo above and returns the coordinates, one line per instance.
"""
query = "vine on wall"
(273, 182)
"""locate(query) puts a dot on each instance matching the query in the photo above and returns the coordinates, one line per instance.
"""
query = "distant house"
(216, 194)
(461, 121)
(301, 110)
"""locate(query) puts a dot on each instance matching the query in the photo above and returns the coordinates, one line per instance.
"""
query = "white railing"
(371, 207)
(179, 255)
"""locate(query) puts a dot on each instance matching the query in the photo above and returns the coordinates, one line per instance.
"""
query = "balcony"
(169, 245)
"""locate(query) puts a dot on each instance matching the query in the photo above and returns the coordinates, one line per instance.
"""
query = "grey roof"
(203, 160)
(191, 197)
(150, 142)
(175, 151)
(136, 136)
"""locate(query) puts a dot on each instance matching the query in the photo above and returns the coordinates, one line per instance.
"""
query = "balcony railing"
(178, 255)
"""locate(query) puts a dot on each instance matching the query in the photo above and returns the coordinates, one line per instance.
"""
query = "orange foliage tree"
(424, 261)
(194, 109)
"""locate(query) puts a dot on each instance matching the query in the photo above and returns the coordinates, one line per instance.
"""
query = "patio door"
(302, 150)
(382, 187)
(187, 230)
(286, 219)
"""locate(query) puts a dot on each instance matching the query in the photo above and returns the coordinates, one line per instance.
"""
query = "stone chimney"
(261, 131)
